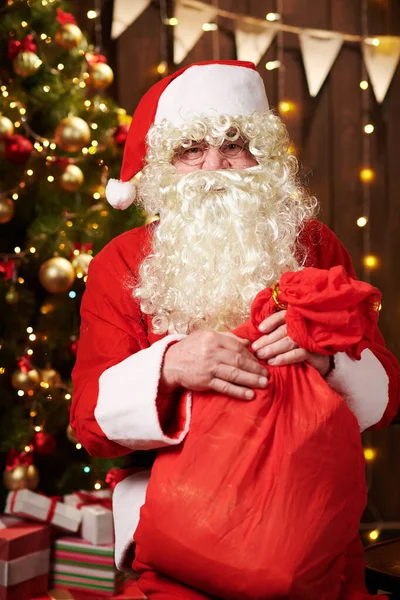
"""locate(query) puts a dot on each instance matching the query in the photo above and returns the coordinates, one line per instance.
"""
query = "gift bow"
(15, 46)
(89, 500)
(24, 364)
(92, 59)
(64, 17)
(7, 267)
(16, 459)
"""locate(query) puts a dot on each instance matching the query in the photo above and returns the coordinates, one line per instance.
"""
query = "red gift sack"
(263, 498)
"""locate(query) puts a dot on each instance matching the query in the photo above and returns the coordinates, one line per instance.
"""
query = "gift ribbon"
(7, 267)
(52, 508)
(89, 500)
(64, 17)
(15, 46)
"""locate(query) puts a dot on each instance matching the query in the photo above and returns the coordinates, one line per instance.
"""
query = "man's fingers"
(236, 337)
(275, 336)
(280, 347)
(272, 322)
(290, 358)
(241, 362)
(229, 389)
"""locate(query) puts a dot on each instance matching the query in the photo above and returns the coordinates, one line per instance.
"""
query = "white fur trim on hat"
(211, 90)
(120, 194)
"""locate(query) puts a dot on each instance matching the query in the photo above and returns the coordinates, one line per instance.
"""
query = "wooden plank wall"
(327, 132)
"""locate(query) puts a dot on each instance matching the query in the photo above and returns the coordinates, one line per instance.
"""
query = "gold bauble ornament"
(6, 210)
(6, 127)
(71, 179)
(12, 296)
(26, 64)
(81, 262)
(70, 435)
(72, 133)
(69, 36)
(32, 477)
(101, 76)
(50, 376)
(57, 275)
(22, 477)
(25, 381)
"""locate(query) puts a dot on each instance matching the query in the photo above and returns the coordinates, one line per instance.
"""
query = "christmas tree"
(61, 138)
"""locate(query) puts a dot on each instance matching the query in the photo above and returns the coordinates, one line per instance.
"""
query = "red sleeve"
(325, 251)
(116, 407)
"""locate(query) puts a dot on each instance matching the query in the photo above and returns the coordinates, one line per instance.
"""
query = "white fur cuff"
(126, 406)
(363, 384)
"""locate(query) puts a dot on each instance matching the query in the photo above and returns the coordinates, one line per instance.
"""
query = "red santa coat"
(116, 405)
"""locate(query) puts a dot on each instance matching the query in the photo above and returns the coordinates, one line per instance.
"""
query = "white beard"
(222, 237)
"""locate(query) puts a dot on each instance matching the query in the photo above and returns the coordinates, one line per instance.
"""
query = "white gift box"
(28, 504)
(97, 521)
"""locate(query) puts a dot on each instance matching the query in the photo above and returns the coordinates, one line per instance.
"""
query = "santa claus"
(161, 299)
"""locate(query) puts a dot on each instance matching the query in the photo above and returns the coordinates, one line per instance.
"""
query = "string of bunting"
(319, 47)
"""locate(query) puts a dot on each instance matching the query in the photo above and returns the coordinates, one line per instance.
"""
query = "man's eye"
(193, 150)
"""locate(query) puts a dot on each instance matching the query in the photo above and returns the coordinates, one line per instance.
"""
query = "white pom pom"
(120, 194)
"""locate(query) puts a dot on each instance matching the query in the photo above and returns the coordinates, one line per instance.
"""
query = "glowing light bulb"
(209, 27)
(32, 337)
(272, 64)
(374, 534)
(370, 261)
(21, 393)
(367, 175)
(97, 485)
(364, 85)
(162, 67)
(17, 249)
(369, 128)
(91, 14)
(67, 396)
(78, 446)
(369, 453)
(271, 17)
(29, 330)
(362, 221)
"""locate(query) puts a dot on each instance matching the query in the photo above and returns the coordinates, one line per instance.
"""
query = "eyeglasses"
(194, 154)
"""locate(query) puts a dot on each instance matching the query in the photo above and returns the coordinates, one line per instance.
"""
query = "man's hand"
(209, 360)
(278, 349)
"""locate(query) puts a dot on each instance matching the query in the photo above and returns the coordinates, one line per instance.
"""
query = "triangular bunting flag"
(252, 43)
(125, 13)
(319, 50)
(381, 61)
(189, 29)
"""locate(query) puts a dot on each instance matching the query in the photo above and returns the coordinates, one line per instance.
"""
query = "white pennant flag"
(189, 29)
(125, 13)
(381, 56)
(252, 44)
(319, 50)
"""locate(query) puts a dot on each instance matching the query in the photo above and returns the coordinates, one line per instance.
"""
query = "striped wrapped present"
(79, 565)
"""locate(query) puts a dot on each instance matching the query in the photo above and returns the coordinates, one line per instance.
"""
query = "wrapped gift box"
(79, 565)
(25, 503)
(97, 520)
(24, 559)
(130, 592)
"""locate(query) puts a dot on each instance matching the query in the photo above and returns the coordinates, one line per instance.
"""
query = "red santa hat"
(229, 87)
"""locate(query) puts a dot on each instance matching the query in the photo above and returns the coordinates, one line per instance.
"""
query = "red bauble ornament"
(121, 134)
(44, 443)
(17, 149)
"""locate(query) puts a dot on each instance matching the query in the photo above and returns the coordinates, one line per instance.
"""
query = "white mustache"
(203, 182)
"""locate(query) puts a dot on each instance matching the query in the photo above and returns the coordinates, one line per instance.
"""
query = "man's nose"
(214, 160)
